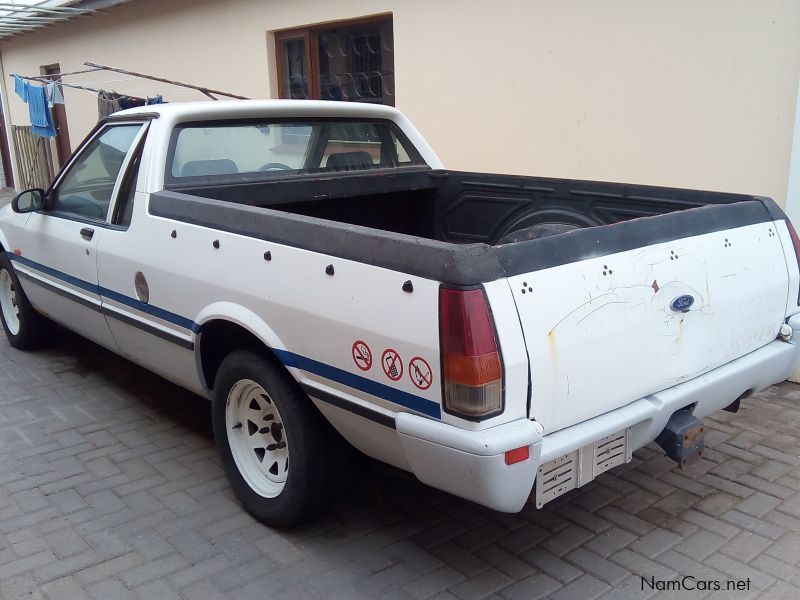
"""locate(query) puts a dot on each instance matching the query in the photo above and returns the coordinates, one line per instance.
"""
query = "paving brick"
(65, 542)
(626, 520)
(586, 588)
(597, 566)
(552, 565)
(753, 524)
(787, 548)
(726, 530)
(609, 541)
(415, 557)
(204, 590)
(480, 585)
(505, 562)
(641, 565)
(758, 504)
(153, 570)
(455, 556)
(746, 546)
(158, 590)
(700, 544)
(110, 588)
(197, 572)
(654, 542)
(740, 571)
(66, 588)
(567, 539)
(531, 588)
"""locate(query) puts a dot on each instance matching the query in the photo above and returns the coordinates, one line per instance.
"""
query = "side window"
(86, 188)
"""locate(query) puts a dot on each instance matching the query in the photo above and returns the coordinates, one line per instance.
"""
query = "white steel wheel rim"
(8, 302)
(257, 438)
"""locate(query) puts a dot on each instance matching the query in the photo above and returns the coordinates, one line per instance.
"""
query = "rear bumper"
(471, 464)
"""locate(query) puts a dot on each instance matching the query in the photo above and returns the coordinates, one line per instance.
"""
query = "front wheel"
(275, 447)
(24, 327)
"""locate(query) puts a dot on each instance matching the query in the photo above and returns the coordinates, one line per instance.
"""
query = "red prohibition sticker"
(392, 364)
(420, 372)
(362, 355)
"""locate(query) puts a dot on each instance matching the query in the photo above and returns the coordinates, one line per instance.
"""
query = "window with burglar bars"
(352, 61)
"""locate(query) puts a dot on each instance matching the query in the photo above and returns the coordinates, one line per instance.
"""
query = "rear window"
(225, 150)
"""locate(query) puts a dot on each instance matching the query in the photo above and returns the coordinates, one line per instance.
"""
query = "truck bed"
(460, 207)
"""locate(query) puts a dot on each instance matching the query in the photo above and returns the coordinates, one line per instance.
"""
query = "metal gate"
(32, 158)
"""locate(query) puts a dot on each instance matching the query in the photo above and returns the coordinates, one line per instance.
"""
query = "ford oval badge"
(682, 303)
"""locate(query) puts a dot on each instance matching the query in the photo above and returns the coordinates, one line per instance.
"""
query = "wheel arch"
(225, 327)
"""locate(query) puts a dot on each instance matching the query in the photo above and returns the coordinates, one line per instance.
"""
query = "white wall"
(687, 93)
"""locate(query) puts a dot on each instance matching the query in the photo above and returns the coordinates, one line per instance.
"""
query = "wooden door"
(63, 148)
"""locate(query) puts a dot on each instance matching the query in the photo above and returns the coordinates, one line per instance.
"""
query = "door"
(58, 250)
(138, 279)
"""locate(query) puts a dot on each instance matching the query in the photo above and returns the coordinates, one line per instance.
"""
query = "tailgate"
(604, 331)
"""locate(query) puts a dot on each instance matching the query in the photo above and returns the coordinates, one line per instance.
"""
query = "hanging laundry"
(107, 103)
(129, 102)
(54, 95)
(39, 112)
(21, 87)
(156, 100)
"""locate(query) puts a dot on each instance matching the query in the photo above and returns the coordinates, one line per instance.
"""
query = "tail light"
(796, 244)
(472, 370)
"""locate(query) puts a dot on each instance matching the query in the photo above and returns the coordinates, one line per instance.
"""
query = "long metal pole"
(204, 90)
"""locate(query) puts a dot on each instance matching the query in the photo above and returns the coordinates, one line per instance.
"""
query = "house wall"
(683, 93)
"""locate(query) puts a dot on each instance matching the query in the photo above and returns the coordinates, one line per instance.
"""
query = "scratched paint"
(609, 340)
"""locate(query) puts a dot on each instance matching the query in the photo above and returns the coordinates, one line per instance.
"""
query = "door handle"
(87, 233)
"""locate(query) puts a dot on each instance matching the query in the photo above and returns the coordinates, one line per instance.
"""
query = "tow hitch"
(682, 438)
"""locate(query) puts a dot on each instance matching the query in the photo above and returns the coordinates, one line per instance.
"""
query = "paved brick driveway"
(110, 488)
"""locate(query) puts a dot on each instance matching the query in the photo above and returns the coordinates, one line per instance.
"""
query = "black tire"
(35, 330)
(313, 446)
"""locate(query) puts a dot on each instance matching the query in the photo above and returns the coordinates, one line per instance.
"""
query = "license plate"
(565, 473)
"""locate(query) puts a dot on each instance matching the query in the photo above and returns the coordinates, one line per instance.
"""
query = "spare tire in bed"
(535, 232)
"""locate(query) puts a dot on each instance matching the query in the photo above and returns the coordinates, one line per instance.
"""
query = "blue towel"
(39, 112)
(21, 87)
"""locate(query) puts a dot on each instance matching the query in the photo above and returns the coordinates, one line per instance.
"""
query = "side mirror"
(28, 201)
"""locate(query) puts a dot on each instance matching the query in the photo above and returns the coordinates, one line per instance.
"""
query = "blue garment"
(54, 95)
(156, 100)
(39, 112)
(21, 87)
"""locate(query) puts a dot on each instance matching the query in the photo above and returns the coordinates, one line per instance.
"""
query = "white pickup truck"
(307, 264)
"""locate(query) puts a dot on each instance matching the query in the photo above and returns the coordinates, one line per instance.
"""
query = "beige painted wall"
(686, 93)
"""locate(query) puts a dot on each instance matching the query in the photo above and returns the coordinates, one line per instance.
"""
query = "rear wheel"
(275, 447)
(24, 327)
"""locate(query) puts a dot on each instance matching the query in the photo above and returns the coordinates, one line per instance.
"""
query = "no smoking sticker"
(362, 355)
(420, 372)
(392, 364)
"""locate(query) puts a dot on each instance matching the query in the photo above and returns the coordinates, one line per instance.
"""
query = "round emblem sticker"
(362, 355)
(392, 364)
(420, 372)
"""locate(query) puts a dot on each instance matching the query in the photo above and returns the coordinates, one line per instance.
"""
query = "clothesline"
(107, 101)
(64, 84)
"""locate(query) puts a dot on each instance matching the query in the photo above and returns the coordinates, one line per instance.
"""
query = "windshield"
(225, 149)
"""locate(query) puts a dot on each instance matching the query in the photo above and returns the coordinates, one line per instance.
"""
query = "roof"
(243, 109)
(18, 17)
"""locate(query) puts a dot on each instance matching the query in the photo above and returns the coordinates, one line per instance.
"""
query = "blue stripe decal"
(79, 283)
(421, 405)
(155, 311)
(289, 359)
(150, 309)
